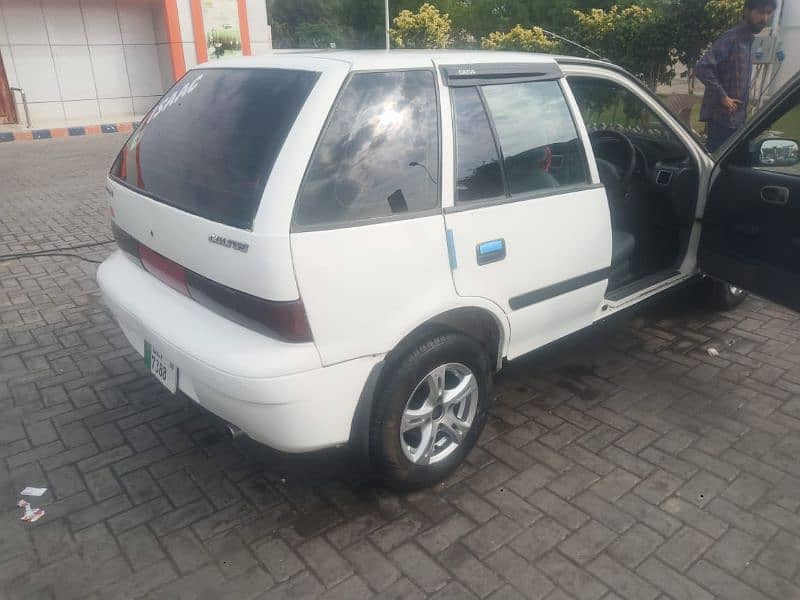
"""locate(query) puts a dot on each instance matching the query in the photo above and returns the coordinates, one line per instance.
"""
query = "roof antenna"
(576, 44)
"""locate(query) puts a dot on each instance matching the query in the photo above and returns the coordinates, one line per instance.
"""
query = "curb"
(61, 132)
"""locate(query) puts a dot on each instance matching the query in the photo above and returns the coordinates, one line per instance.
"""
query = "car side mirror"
(778, 152)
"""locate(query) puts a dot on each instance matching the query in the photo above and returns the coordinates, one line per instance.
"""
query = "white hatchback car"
(341, 248)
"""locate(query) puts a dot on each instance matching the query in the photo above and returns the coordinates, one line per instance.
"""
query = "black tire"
(722, 296)
(390, 464)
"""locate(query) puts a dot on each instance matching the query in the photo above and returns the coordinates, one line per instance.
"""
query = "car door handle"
(489, 252)
(777, 195)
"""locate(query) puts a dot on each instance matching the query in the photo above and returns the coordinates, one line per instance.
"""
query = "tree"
(481, 17)
(317, 23)
(427, 28)
(317, 35)
(519, 38)
(636, 37)
(697, 24)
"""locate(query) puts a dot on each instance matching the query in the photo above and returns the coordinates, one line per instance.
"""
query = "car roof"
(365, 60)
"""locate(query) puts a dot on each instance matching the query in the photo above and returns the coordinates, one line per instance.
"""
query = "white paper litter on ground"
(32, 491)
(713, 352)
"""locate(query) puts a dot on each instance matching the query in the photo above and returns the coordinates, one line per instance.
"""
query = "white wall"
(85, 59)
(790, 36)
(260, 31)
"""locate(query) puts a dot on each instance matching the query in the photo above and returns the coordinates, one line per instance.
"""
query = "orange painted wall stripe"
(199, 32)
(174, 38)
(244, 28)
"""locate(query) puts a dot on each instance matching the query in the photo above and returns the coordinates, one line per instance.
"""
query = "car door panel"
(750, 242)
(751, 223)
(530, 231)
(555, 271)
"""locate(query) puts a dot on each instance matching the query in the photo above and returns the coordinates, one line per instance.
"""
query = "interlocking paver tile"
(635, 545)
(586, 543)
(186, 550)
(402, 588)
(476, 576)
(442, 535)
(623, 581)
(102, 484)
(328, 564)
(746, 521)
(539, 539)
(746, 490)
(604, 512)
(629, 465)
(734, 550)
(721, 583)
(615, 485)
(372, 565)
(491, 535)
(766, 581)
(572, 482)
(673, 583)
(576, 581)
(526, 578)
(140, 547)
(682, 549)
(697, 518)
(419, 567)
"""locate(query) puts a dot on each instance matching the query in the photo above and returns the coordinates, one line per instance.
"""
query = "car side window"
(478, 172)
(537, 136)
(378, 155)
(605, 104)
(776, 147)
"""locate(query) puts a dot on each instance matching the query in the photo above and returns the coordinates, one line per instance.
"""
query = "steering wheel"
(608, 170)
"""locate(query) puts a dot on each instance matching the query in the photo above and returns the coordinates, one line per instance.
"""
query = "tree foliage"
(519, 38)
(318, 23)
(426, 28)
(637, 37)
(648, 37)
(697, 24)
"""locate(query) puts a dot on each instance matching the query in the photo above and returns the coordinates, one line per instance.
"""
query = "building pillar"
(174, 39)
(187, 31)
(199, 32)
(259, 29)
(244, 26)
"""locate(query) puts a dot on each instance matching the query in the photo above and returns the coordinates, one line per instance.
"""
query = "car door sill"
(641, 284)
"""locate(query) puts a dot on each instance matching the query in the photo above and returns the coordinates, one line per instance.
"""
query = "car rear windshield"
(209, 145)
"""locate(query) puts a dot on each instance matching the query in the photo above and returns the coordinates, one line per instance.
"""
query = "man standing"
(726, 70)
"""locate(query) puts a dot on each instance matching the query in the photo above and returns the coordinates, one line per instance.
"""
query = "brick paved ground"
(629, 465)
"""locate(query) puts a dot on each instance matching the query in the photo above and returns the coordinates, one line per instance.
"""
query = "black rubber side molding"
(557, 289)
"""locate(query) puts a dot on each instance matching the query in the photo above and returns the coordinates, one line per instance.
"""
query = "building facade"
(93, 60)
(789, 29)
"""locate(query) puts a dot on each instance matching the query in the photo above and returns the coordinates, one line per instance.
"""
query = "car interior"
(651, 183)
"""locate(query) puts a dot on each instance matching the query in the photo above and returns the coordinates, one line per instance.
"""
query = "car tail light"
(164, 269)
(286, 320)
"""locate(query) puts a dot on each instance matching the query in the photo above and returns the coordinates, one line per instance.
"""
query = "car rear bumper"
(277, 393)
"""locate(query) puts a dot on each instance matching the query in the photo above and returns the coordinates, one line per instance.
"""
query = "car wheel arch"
(475, 322)
(478, 323)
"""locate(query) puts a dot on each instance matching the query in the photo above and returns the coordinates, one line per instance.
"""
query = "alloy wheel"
(439, 414)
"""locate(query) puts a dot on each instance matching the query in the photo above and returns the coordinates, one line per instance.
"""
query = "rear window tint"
(209, 145)
(479, 176)
(538, 138)
(379, 153)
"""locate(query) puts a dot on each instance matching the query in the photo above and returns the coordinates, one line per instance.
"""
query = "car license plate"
(160, 366)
